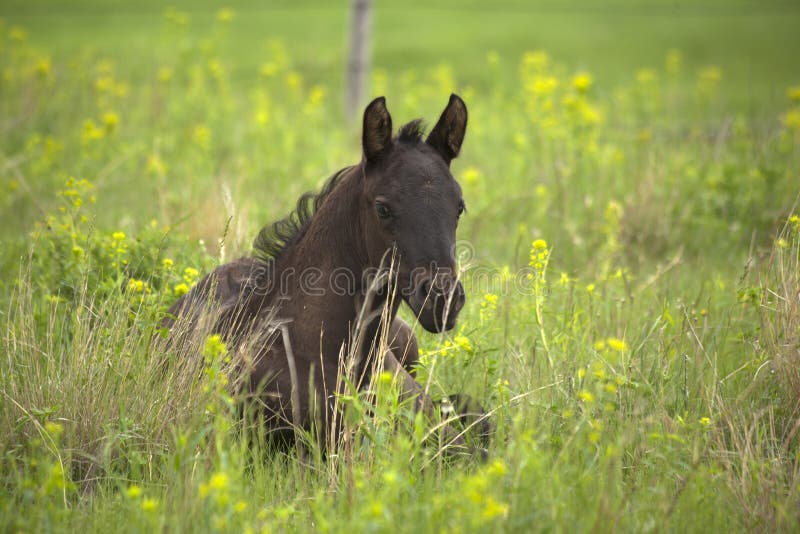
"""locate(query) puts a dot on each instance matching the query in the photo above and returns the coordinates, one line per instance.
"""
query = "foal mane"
(277, 237)
(411, 132)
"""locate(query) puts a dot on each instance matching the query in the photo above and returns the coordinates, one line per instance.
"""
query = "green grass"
(755, 44)
(644, 378)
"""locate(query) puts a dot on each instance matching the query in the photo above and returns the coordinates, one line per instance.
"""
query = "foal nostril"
(424, 289)
(459, 297)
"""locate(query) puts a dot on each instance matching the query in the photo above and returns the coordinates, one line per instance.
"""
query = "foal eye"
(382, 210)
(461, 209)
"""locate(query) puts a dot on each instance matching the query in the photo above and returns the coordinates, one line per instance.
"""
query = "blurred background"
(755, 43)
(216, 116)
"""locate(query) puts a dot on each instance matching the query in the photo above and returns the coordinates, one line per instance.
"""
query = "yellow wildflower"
(215, 68)
(156, 165)
(215, 350)
(190, 275)
(536, 60)
(464, 343)
(494, 509)
(180, 290)
(471, 175)
(390, 477)
(293, 81)
(43, 67)
(164, 74)
(792, 119)
(262, 116)
(376, 509)
(201, 135)
(54, 430)
(149, 505)
(315, 95)
(110, 121)
(616, 344)
(598, 371)
(268, 69)
(225, 15)
(91, 131)
(385, 378)
(219, 481)
(582, 82)
(544, 86)
(590, 114)
(488, 306)
(138, 286)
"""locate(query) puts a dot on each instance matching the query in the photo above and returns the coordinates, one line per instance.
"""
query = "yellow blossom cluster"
(138, 286)
(538, 258)
(488, 307)
(612, 343)
(487, 506)
(559, 108)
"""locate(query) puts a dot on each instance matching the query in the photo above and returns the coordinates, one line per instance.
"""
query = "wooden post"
(358, 59)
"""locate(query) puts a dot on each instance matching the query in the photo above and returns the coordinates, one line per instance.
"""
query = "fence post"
(358, 57)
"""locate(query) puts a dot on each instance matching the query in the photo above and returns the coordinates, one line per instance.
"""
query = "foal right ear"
(448, 134)
(377, 135)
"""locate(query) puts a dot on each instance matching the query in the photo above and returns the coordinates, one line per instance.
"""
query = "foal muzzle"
(436, 301)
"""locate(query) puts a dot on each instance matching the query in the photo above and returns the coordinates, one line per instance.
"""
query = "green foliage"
(70, 257)
(632, 323)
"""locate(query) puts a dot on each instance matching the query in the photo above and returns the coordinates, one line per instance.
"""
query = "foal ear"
(377, 134)
(448, 134)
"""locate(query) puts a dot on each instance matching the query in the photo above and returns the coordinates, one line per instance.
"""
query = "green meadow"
(630, 251)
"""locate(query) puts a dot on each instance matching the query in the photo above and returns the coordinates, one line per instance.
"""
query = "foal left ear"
(448, 134)
(377, 133)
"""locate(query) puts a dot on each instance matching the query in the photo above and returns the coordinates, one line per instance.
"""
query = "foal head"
(412, 203)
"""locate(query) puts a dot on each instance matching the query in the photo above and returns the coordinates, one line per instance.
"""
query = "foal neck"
(332, 246)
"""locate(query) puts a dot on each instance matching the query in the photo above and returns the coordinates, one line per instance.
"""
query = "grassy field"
(631, 254)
